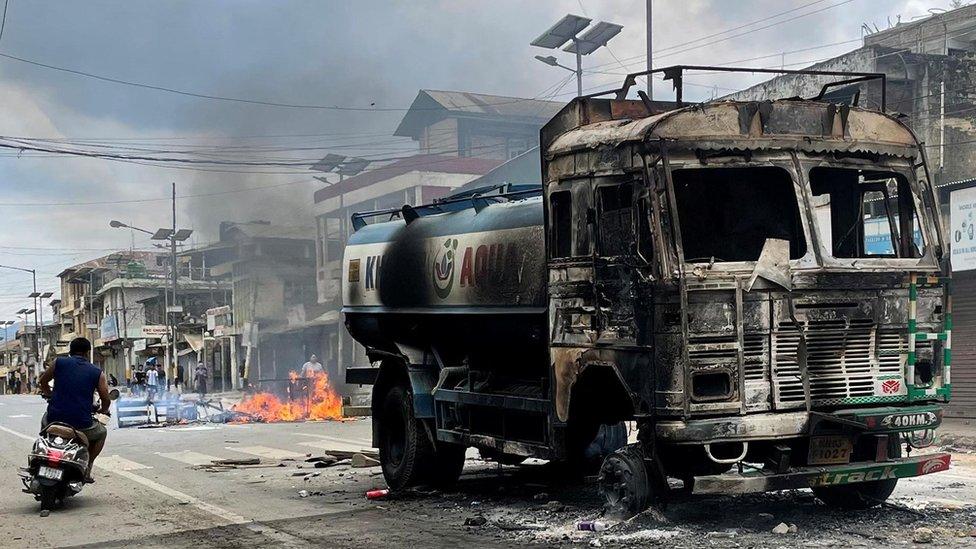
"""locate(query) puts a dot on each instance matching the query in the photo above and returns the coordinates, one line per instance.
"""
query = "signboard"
(139, 345)
(962, 229)
(152, 330)
(109, 328)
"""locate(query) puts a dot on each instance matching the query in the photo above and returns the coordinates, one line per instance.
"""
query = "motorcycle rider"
(75, 380)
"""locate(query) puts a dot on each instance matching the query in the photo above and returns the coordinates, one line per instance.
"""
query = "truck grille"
(844, 358)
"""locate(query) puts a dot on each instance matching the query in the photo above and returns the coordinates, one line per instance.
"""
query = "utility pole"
(650, 62)
(172, 373)
(37, 338)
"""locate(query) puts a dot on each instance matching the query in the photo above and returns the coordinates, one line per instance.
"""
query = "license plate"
(50, 472)
(830, 450)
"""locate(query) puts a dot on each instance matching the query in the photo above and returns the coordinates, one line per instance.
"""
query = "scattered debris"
(541, 496)
(303, 493)
(362, 460)
(922, 534)
(555, 507)
(591, 525)
(793, 528)
(241, 461)
(378, 494)
(781, 528)
(478, 520)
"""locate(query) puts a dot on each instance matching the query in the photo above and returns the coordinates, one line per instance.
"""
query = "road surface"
(150, 492)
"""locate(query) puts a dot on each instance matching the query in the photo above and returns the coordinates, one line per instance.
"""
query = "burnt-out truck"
(759, 286)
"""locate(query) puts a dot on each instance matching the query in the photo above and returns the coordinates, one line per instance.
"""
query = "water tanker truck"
(759, 287)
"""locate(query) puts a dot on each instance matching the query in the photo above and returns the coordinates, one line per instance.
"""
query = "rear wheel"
(405, 448)
(49, 497)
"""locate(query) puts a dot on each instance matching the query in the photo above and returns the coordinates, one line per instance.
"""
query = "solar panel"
(560, 33)
(596, 37)
(327, 163)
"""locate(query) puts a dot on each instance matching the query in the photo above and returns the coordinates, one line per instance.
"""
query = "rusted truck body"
(759, 286)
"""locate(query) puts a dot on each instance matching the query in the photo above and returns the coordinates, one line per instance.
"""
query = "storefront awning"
(194, 341)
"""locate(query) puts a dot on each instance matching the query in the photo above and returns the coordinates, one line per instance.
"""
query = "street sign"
(139, 345)
(962, 229)
(174, 309)
(151, 330)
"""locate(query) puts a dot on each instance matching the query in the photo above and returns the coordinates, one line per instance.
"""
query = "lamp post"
(38, 306)
(33, 273)
(6, 341)
(26, 313)
(172, 236)
(566, 30)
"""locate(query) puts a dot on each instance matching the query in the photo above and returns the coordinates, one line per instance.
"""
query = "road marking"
(18, 416)
(115, 463)
(362, 442)
(189, 457)
(17, 434)
(284, 538)
(266, 452)
(330, 445)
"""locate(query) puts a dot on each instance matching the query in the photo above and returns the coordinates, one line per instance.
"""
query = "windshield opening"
(726, 214)
(865, 213)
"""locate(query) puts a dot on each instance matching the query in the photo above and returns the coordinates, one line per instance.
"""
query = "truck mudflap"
(810, 477)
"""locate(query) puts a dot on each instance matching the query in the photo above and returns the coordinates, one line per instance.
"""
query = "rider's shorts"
(95, 433)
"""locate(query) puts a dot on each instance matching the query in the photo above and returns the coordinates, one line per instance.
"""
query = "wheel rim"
(615, 483)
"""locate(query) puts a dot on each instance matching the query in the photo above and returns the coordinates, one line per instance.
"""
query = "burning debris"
(308, 399)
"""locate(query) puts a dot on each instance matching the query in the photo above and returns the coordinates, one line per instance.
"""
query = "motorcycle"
(58, 461)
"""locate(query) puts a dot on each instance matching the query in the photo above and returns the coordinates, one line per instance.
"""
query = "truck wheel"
(860, 495)
(624, 481)
(405, 448)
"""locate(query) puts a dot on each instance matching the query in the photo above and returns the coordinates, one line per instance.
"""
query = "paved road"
(150, 494)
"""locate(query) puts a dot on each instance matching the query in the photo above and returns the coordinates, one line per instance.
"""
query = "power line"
(3, 21)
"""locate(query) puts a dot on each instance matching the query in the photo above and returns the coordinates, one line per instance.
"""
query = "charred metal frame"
(675, 73)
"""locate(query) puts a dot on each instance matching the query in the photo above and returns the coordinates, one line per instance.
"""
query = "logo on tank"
(444, 262)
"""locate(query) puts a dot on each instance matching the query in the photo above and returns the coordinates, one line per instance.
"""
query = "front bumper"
(773, 426)
(812, 477)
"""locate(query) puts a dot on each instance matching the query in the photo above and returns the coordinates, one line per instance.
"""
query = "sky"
(360, 63)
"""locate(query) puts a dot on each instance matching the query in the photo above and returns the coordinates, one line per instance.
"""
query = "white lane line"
(266, 452)
(17, 434)
(362, 442)
(19, 416)
(330, 445)
(189, 457)
(284, 538)
(115, 463)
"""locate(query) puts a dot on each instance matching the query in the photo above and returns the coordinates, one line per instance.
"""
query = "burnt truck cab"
(760, 286)
(767, 281)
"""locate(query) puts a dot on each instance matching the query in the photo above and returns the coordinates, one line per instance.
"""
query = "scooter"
(58, 461)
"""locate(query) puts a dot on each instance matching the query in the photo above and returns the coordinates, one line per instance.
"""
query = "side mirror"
(113, 394)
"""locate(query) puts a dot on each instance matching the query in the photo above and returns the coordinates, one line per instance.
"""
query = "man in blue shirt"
(75, 381)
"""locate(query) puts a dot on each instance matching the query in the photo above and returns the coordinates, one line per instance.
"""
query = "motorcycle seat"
(66, 432)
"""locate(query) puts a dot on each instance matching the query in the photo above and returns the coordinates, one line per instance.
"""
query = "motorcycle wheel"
(49, 498)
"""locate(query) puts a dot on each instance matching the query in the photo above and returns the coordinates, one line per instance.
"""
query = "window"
(864, 213)
(562, 224)
(728, 213)
(616, 219)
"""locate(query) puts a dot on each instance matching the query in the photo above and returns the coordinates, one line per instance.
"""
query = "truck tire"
(860, 495)
(406, 452)
(624, 482)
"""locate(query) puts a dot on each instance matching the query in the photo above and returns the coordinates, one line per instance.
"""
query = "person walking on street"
(162, 387)
(152, 378)
(200, 379)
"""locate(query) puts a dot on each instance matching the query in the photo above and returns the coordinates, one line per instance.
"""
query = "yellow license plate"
(830, 450)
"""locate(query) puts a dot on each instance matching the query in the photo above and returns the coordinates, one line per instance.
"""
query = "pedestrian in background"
(200, 378)
(152, 380)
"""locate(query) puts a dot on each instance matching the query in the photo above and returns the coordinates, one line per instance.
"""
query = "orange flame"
(323, 402)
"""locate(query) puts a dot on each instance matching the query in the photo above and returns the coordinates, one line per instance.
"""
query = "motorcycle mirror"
(113, 394)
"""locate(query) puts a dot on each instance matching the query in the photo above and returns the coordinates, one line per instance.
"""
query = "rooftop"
(432, 105)
(418, 163)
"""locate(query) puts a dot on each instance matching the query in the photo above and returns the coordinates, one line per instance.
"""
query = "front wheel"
(405, 449)
(624, 481)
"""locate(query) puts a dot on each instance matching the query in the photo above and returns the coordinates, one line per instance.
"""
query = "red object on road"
(378, 494)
